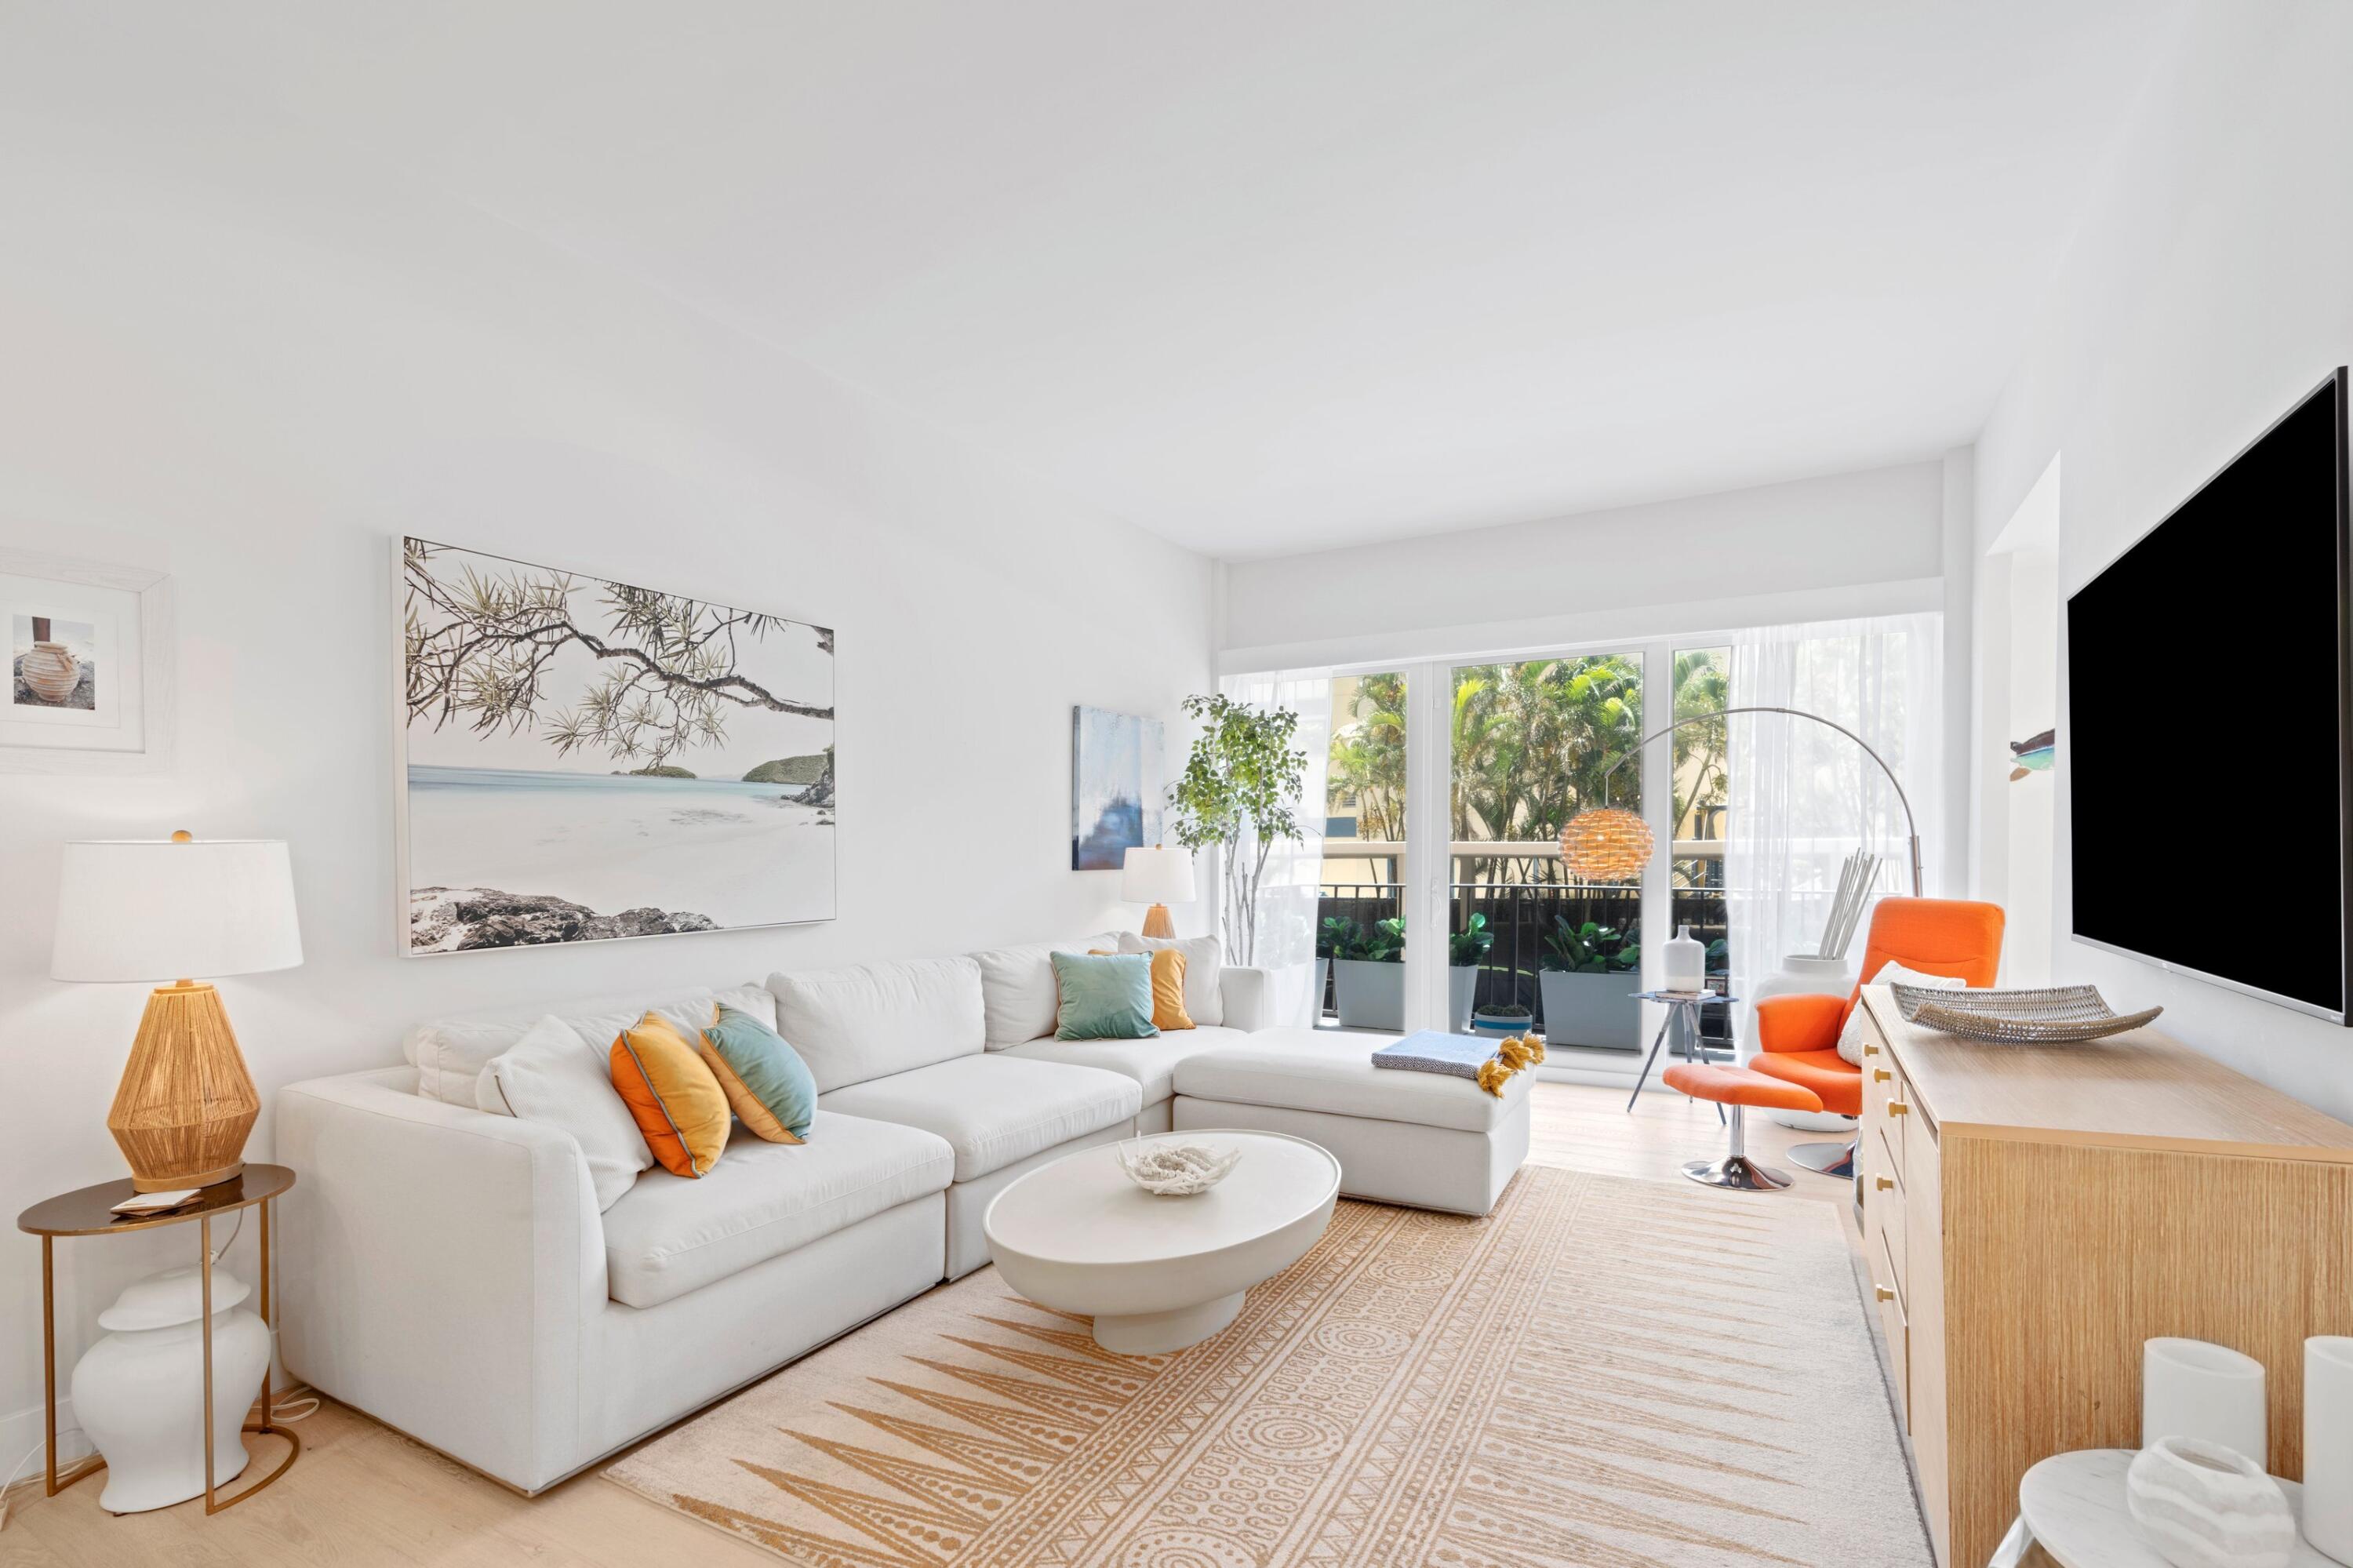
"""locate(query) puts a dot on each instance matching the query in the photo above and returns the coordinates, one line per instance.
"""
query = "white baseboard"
(20, 1439)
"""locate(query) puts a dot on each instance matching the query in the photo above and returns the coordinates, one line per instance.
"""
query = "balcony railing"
(1522, 914)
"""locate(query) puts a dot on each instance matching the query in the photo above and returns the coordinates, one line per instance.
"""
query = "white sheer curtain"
(1803, 797)
(1288, 892)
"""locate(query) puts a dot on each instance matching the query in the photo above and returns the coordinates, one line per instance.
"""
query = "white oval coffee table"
(1159, 1273)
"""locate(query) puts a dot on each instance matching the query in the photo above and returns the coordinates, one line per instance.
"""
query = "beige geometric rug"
(1619, 1373)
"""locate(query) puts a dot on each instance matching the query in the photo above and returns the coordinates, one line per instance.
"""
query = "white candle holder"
(2190, 1388)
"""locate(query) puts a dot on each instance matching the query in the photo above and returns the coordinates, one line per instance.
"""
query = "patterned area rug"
(1603, 1371)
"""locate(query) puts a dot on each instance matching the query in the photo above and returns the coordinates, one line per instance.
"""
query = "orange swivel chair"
(1797, 1037)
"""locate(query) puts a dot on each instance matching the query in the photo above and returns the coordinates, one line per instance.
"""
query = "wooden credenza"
(2031, 1213)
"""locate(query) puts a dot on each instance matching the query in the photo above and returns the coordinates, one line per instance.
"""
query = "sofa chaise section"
(1426, 1139)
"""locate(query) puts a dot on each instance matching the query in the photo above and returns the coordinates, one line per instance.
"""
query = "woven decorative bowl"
(2042, 1015)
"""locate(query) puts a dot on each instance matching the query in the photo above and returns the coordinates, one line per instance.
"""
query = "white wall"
(1849, 543)
(2211, 286)
(243, 355)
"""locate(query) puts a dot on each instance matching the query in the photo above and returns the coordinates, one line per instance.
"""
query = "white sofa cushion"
(868, 1021)
(552, 1076)
(1331, 1070)
(993, 1108)
(1017, 988)
(1152, 1061)
(1205, 998)
(670, 1236)
(450, 1054)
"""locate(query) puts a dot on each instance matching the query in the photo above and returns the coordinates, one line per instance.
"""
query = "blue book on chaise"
(1428, 1051)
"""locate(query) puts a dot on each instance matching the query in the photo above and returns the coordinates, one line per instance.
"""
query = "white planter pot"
(1598, 1012)
(1315, 1008)
(1461, 988)
(1800, 974)
(1370, 995)
(139, 1393)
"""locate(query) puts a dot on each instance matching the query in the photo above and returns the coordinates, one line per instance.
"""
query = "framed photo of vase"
(89, 661)
(1115, 785)
(583, 760)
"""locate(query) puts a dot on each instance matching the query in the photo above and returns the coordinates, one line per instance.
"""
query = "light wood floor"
(361, 1495)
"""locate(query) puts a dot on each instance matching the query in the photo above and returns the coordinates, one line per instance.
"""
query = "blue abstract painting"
(1115, 787)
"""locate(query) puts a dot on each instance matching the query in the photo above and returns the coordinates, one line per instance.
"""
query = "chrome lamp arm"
(1911, 824)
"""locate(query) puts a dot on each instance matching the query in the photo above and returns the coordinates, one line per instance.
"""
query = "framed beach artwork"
(1115, 787)
(582, 760)
(90, 665)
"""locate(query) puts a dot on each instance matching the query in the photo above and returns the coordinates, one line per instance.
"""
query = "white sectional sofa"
(448, 1270)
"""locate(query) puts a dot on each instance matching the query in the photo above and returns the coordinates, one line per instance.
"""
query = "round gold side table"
(87, 1213)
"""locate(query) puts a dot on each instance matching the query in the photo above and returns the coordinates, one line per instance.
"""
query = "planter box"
(1462, 989)
(1371, 995)
(1598, 1012)
(1316, 1009)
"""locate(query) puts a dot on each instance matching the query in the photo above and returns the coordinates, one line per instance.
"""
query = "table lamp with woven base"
(148, 910)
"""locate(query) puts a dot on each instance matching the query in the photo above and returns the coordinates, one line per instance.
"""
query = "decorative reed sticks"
(1855, 877)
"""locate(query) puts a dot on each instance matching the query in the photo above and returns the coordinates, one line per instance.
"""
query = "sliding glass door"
(1530, 744)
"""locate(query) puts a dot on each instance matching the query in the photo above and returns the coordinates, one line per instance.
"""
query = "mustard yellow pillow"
(673, 1095)
(1167, 987)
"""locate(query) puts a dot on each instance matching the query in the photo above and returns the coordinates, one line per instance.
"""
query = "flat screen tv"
(2207, 727)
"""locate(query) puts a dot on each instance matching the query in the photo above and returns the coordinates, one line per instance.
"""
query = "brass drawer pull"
(1882, 1292)
(1886, 1183)
(1881, 1076)
(1869, 1049)
(1897, 1107)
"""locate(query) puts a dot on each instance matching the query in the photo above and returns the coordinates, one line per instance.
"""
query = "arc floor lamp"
(1610, 843)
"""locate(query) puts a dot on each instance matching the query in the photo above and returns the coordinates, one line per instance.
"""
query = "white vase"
(2202, 1505)
(1800, 974)
(1682, 964)
(2328, 1445)
(2190, 1388)
(139, 1393)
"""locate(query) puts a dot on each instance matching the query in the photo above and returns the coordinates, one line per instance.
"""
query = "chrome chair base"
(1825, 1158)
(1735, 1172)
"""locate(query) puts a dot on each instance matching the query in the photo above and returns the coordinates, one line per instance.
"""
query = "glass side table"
(1679, 1032)
(87, 1213)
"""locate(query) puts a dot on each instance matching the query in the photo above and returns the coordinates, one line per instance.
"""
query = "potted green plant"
(1466, 950)
(1240, 791)
(1333, 933)
(1502, 1019)
(1590, 973)
(1369, 976)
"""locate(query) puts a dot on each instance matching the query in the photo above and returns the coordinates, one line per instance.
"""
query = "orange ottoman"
(1739, 1088)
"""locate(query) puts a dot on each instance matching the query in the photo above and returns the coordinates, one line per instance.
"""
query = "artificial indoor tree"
(1240, 791)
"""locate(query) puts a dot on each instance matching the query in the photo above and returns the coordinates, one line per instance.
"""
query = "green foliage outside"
(1590, 948)
(1530, 744)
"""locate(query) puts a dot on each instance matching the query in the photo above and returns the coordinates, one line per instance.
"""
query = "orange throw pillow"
(672, 1093)
(1167, 987)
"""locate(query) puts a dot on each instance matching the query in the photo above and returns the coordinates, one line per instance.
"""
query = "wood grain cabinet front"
(2032, 1214)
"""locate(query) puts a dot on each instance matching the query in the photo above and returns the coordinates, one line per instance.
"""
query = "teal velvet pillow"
(1105, 998)
(767, 1083)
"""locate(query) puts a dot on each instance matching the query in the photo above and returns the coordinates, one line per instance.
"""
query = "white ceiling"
(1273, 277)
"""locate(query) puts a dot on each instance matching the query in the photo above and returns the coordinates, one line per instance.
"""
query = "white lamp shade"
(1157, 876)
(155, 910)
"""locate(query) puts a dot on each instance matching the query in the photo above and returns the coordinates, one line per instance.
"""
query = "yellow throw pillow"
(1167, 987)
(672, 1093)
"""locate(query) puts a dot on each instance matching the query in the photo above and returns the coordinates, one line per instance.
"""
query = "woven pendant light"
(1609, 843)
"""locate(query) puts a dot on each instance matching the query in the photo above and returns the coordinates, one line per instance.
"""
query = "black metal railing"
(1522, 917)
